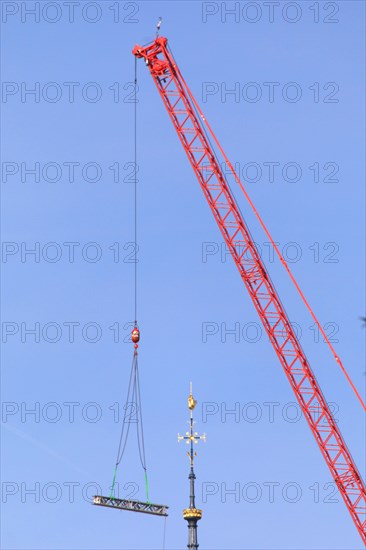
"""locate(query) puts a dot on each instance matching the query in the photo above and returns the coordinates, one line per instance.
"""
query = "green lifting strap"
(147, 488)
(112, 495)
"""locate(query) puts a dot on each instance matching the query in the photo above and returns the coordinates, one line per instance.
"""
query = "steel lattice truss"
(180, 105)
(131, 505)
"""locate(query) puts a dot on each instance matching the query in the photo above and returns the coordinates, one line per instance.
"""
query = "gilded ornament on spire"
(191, 401)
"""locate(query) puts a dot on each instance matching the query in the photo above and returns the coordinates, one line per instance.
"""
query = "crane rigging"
(133, 406)
(190, 126)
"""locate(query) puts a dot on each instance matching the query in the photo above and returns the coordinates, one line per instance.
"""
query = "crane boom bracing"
(189, 126)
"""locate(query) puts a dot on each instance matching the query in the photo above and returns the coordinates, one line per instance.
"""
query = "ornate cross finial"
(191, 437)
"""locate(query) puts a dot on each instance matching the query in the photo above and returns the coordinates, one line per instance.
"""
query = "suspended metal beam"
(131, 505)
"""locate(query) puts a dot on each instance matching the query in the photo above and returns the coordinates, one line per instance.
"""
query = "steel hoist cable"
(132, 413)
(135, 187)
(133, 398)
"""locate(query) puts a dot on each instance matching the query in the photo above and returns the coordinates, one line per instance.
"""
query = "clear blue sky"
(187, 299)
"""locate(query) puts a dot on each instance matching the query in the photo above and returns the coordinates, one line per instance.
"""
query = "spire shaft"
(192, 515)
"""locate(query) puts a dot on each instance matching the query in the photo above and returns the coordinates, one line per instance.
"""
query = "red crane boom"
(188, 123)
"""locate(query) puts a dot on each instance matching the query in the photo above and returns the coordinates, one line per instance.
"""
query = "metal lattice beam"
(131, 505)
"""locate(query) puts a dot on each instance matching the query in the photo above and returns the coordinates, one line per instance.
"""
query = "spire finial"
(192, 514)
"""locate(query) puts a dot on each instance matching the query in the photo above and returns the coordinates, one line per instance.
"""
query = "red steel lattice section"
(178, 101)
